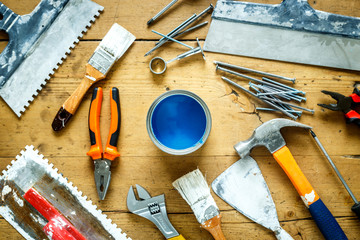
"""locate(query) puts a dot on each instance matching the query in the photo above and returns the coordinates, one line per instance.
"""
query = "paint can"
(178, 122)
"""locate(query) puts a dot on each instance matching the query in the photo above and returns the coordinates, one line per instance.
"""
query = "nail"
(191, 29)
(290, 104)
(163, 40)
(255, 71)
(174, 40)
(161, 12)
(282, 85)
(265, 101)
(276, 110)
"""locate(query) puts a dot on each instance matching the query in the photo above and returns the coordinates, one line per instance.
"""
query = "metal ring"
(157, 59)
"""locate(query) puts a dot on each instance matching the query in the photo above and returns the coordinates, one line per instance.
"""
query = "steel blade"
(283, 44)
(243, 187)
(48, 53)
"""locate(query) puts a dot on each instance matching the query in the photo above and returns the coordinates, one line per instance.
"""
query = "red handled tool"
(345, 104)
(58, 227)
(102, 160)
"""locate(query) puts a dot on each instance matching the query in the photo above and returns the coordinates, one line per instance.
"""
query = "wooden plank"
(234, 119)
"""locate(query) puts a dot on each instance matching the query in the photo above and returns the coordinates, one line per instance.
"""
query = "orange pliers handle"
(96, 151)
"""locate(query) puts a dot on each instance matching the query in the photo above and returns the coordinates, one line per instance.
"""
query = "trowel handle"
(326, 222)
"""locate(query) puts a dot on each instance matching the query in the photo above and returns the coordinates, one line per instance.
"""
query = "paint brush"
(111, 48)
(196, 192)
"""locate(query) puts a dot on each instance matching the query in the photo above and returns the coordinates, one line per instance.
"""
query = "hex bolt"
(255, 71)
(161, 12)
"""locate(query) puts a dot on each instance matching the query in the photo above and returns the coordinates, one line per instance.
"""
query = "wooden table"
(234, 119)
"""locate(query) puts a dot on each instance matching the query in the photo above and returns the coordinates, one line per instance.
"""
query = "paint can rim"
(200, 142)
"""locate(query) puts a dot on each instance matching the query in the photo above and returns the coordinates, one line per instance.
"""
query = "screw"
(161, 12)
(254, 71)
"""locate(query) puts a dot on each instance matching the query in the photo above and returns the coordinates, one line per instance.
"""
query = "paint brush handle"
(70, 106)
(214, 228)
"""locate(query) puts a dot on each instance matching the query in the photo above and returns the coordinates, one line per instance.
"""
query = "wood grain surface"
(234, 119)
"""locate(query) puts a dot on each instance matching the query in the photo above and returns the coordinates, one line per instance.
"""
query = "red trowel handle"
(58, 227)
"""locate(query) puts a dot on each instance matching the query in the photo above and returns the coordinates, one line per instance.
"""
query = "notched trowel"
(38, 44)
(41, 204)
(243, 187)
(291, 31)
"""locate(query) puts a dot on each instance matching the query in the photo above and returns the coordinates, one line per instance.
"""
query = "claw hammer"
(269, 135)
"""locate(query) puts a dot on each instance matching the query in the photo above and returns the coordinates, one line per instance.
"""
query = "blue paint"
(179, 122)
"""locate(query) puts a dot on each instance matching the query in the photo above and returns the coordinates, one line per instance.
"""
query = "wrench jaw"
(151, 208)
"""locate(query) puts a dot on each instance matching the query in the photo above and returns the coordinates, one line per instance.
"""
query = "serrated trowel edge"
(28, 80)
(34, 155)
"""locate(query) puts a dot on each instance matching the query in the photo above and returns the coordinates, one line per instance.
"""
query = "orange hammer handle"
(287, 162)
(94, 124)
(111, 151)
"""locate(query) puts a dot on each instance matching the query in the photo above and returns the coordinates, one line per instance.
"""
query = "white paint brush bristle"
(196, 192)
(111, 48)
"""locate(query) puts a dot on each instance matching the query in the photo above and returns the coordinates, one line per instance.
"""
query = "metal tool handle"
(325, 221)
(111, 151)
(95, 151)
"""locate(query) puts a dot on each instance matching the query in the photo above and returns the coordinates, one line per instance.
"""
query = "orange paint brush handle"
(213, 226)
(70, 106)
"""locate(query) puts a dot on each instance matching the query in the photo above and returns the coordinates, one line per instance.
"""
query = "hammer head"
(268, 135)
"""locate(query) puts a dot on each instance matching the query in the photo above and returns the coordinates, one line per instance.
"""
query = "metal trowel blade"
(243, 187)
(283, 45)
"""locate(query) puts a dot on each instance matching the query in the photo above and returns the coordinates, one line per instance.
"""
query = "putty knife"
(243, 187)
(291, 31)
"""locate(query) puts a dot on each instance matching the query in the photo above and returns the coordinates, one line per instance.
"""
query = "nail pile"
(268, 90)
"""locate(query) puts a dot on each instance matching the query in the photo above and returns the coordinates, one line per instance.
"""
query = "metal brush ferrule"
(102, 60)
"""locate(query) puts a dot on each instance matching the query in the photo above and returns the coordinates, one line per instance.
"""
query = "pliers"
(347, 105)
(102, 160)
(153, 209)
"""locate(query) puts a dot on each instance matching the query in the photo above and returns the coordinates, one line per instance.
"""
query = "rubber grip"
(180, 237)
(356, 209)
(353, 117)
(355, 95)
(96, 150)
(326, 222)
(111, 151)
